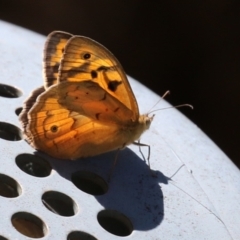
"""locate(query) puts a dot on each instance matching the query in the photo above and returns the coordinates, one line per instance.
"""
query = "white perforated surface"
(201, 201)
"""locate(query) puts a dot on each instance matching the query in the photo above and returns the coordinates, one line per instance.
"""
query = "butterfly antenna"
(163, 96)
(177, 106)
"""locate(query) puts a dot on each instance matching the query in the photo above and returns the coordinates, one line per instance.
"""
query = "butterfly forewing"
(52, 55)
(89, 99)
(85, 59)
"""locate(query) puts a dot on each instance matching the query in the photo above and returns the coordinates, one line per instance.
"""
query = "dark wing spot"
(86, 56)
(115, 110)
(94, 74)
(63, 50)
(103, 68)
(50, 73)
(104, 97)
(55, 67)
(113, 85)
(50, 70)
(54, 128)
(97, 115)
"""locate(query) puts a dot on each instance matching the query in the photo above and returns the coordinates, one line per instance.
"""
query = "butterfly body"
(86, 107)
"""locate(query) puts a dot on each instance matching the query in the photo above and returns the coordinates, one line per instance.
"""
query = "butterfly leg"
(153, 173)
(114, 165)
(149, 151)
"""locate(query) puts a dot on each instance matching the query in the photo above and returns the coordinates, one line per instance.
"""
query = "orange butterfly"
(86, 106)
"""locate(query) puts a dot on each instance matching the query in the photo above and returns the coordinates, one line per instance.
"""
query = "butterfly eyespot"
(86, 55)
(54, 128)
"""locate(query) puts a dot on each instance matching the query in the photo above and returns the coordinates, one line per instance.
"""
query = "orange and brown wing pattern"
(84, 59)
(89, 99)
(52, 55)
(77, 129)
(86, 106)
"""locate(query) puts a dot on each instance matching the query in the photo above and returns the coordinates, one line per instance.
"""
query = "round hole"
(29, 225)
(33, 165)
(77, 235)
(18, 110)
(115, 222)
(3, 238)
(9, 187)
(10, 132)
(89, 182)
(9, 91)
(59, 203)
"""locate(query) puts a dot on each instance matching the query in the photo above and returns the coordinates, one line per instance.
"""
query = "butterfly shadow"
(133, 189)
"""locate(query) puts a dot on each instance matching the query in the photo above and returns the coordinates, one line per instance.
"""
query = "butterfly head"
(145, 120)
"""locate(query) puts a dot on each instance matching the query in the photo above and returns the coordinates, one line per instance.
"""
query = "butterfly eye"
(86, 55)
(54, 128)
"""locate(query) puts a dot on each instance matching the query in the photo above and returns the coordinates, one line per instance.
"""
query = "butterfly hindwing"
(57, 129)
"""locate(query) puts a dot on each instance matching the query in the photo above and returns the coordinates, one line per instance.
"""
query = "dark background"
(189, 47)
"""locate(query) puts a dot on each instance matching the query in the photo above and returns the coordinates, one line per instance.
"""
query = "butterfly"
(86, 106)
